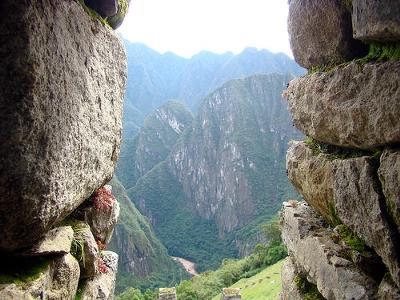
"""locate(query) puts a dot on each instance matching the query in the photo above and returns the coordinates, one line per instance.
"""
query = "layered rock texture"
(62, 79)
(344, 241)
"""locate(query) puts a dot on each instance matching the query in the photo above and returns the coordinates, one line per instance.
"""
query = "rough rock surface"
(388, 290)
(89, 264)
(221, 161)
(336, 277)
(360, 205)
(167, 294)
(351, 188)
(376, 20)
(63, 76)
(335, 107)
(56, 241)
(320, 33)
(389, 175)
(102, 222)
(59, 280)
(289, 289)
(65, 273)
(102, 285)
(311, 176)
(105, 8)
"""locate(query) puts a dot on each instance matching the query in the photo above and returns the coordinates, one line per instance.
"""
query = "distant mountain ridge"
(155, 78)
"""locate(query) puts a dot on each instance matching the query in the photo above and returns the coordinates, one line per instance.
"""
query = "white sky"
(186, 27)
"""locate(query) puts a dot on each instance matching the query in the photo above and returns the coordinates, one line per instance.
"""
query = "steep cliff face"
(224, 176)
(141, 253)
(345, 241)
(231, 162)
(154, 142)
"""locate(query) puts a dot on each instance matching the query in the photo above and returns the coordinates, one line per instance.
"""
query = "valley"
(207, 170)
(189, 266)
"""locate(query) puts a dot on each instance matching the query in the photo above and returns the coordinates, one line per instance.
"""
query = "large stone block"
(56, 279)
(320, 33)
(56, 241)
(317, 256)
(350, 189)
(102, 285)
(336, 107)
(389, 175)
(63, 76)
(102, 218)
(376, 20)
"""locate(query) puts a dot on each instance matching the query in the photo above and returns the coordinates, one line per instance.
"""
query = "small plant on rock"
(102, 266)
(103, 199)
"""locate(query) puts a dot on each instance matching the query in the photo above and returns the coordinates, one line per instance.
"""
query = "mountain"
(224, 176)
(154, 142)
(155, 78)
(143, 260)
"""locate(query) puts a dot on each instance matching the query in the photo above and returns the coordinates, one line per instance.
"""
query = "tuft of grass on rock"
(335, 152)
(351, 239)
(380, 52)
(308, 290)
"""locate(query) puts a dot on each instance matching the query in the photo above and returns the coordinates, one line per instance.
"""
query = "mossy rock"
(116, 20)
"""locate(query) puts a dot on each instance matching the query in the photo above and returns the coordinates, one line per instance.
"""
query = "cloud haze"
(186, 27)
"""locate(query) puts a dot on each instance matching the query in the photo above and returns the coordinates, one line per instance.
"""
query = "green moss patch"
(380, 52)
(335, 152)
(22, 270)
(307, 289)
(351, 239)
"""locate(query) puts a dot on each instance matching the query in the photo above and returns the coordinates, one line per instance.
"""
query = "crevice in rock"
(395, 236)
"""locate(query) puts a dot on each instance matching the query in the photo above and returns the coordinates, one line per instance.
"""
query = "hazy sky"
(186, 27)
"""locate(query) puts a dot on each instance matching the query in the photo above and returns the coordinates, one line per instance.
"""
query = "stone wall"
(344, 240)
(62, 79)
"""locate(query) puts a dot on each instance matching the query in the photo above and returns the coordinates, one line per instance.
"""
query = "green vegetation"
(79, 291)
(334, 152)
(139, 242)
(350, 238)
(77, 247)
(265, 285)
(135, 294)
(210, 283)
(379, 52)
(198, 239)
(334, 219)
(20, 270)
(307, 289)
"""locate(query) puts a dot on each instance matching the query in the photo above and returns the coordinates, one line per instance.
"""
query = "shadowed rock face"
(105, 8)
(63, 76)
(376, 20)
